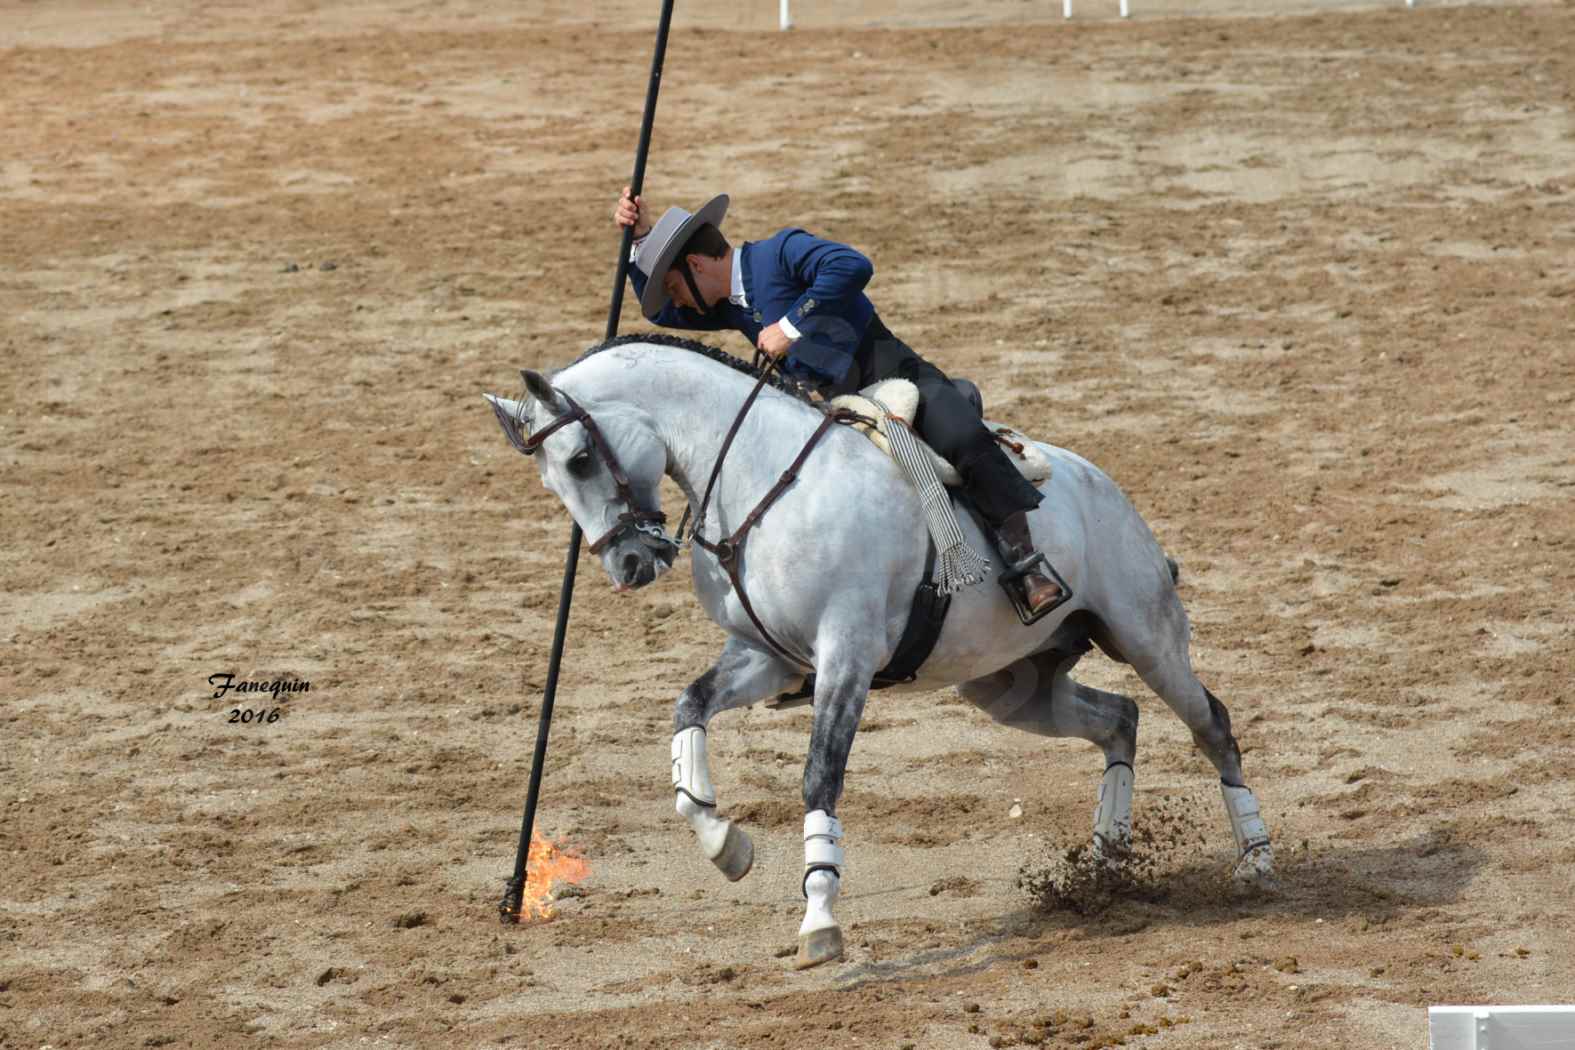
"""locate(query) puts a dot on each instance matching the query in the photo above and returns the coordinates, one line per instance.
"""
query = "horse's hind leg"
(741, 675)
(1038, 695)
(1158, 652)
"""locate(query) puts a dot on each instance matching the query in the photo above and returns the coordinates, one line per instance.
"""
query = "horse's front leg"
(742, 675)
(842, 681)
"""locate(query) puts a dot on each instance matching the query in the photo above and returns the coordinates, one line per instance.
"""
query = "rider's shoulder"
(783, 235)
(791, 242)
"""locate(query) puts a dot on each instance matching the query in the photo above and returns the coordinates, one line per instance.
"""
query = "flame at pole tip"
(546, 866)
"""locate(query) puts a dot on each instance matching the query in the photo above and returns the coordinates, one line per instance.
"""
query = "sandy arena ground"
(1304, 284)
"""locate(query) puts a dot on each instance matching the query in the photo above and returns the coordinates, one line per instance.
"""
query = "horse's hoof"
(1113, 854)
(818, 946)
(738, 854)
(1255, 869)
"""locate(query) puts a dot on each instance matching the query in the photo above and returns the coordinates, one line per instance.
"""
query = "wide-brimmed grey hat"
(662, 245)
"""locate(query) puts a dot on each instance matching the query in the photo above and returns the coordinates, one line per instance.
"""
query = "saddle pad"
(901, 398)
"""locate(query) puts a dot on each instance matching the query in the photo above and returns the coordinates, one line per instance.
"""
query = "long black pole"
(513, 895)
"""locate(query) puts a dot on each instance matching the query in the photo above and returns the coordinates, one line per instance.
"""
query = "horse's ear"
(541, 389)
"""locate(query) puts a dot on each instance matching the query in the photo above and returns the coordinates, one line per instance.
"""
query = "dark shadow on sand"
(1327, 883)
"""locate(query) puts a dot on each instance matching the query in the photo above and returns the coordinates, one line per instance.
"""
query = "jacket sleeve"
(830, 273)
(672, 315)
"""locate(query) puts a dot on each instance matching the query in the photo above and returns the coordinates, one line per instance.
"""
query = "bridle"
(646, 524)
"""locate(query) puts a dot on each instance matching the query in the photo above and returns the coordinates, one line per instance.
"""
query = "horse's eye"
(581, 464)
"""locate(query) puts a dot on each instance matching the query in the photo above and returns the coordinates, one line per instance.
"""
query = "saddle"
(901, 399)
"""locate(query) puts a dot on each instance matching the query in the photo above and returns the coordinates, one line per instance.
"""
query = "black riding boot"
(1040, 592)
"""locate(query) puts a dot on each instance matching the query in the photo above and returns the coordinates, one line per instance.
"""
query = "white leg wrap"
(1113, 815)
(691, 772)
(822, 841)
(819, 939)
(823, 860)
(695, 797)
(1245, 821)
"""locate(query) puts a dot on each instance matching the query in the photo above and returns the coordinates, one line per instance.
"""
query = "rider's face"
(706, 272)
(678, 289)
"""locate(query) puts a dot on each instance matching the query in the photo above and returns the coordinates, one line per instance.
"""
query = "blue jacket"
(817, 285)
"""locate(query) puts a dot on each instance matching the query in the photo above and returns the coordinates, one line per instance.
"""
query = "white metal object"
(1126, 9)
(1501, 1027)
(787, 17)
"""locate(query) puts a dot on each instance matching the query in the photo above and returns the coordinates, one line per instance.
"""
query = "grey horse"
(608, 427)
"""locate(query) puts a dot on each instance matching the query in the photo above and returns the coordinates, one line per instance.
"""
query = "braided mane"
(777, 381)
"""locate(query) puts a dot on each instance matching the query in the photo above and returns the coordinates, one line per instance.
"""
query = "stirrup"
(1012, 583)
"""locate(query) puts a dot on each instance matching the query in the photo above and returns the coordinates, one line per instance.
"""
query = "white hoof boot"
(819, 936)
(1113, 816)
(1255, 863)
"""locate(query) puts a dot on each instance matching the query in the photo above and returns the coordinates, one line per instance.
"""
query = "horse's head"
(605, 462)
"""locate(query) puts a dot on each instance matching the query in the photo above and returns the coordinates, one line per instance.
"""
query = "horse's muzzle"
(637, 558)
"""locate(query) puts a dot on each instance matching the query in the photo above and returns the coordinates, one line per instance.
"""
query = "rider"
(801, 300)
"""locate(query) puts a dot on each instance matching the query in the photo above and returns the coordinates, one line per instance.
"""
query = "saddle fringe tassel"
(959, 565)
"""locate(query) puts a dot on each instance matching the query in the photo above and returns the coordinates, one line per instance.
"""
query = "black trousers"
(947, 422)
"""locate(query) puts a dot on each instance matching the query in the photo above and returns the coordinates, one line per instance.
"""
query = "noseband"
(647, 524)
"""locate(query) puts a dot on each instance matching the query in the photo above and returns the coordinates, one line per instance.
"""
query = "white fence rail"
(785, 14)
(1501, 1027)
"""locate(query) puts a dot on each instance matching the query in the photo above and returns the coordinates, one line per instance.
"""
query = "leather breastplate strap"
(730, 550)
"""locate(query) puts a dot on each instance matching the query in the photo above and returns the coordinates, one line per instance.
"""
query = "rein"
(727, 443)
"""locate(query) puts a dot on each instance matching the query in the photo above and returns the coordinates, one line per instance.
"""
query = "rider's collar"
(736, 294)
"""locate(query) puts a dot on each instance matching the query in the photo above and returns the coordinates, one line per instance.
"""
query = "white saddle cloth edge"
(901, 398)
